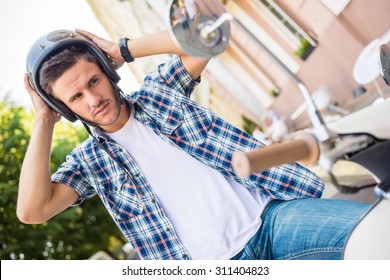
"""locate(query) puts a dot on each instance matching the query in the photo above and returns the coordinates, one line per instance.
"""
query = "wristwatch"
(124, 50)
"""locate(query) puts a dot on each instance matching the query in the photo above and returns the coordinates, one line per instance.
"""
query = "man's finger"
(84, 32)
(27, 83)
(89, 35)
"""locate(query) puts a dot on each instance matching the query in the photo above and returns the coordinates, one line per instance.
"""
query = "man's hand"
(110, 48)
(42, 110)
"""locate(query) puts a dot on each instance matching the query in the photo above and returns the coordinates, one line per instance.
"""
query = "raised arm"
(38, 198)
(156, 43)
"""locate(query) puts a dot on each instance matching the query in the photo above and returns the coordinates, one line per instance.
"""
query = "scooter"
(362, 137)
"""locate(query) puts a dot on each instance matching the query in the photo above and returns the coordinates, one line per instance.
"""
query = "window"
(336, 6)
(299, 39)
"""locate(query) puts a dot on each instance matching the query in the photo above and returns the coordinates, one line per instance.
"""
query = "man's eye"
(77, 96)
(93, 82)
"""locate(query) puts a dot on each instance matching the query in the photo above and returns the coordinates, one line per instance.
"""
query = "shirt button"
(168, 229)
(153, 200)
(184, 256)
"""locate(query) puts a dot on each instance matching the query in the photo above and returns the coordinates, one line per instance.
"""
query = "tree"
(78, 232)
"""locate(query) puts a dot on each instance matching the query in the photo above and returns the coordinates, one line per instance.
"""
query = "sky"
(23, 21)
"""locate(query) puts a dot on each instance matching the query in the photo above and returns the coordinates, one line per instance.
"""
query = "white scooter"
(362, 137)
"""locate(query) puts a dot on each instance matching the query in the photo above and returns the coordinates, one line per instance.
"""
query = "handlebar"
(304, 148)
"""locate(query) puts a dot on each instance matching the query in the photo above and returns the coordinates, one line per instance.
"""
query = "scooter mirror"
(384, 63)
(199, 27)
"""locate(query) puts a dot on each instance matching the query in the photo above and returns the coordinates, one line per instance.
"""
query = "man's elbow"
(27, 217)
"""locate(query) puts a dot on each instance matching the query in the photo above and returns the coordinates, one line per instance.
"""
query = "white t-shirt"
(213, 217)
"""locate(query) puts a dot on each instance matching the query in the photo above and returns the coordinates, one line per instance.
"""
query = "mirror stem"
(208, 30)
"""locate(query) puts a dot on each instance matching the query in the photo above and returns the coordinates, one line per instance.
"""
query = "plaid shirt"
(163, 104)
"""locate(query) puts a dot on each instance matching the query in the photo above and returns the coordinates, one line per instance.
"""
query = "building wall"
(341, 38)
(245, 76)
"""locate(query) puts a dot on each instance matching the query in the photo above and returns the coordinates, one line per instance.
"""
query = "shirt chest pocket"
(120, 197)
(196, 125)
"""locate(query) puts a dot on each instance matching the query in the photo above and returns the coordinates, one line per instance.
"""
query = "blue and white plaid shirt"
(163, 104)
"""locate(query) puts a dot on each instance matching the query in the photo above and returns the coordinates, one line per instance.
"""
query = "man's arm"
(39, 199)
(156, 43)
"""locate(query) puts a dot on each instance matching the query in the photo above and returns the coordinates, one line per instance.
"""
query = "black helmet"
(53, 42)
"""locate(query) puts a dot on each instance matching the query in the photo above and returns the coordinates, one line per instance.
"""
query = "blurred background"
(329, 44)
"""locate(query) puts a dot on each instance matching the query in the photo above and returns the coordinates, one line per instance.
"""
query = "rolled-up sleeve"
(175, 75)
(71, 173)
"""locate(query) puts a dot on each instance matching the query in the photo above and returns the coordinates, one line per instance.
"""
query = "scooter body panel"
(370, 239)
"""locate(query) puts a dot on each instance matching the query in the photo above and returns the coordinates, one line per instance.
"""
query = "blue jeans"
(304, 229)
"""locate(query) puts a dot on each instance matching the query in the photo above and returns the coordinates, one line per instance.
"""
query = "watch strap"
(124, 50)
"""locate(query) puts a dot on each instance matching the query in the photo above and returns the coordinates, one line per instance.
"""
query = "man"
(161, 164)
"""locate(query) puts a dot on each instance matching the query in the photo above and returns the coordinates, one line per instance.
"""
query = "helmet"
(53, 42)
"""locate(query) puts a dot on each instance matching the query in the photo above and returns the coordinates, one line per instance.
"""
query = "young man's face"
(86, 90)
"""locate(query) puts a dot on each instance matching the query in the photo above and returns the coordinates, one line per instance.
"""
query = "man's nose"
(93, 99)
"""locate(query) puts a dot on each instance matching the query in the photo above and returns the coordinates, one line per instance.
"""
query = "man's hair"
(52, 69)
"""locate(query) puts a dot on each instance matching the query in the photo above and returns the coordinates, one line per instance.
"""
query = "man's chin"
(106, 123)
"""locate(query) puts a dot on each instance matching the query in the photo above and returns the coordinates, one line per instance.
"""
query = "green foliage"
(248, 125)
(76, 233)
(305, 49)
(13, 141)
(66, 137)
(275, 92)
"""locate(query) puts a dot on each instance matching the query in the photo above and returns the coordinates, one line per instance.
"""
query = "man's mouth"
(102, 109)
